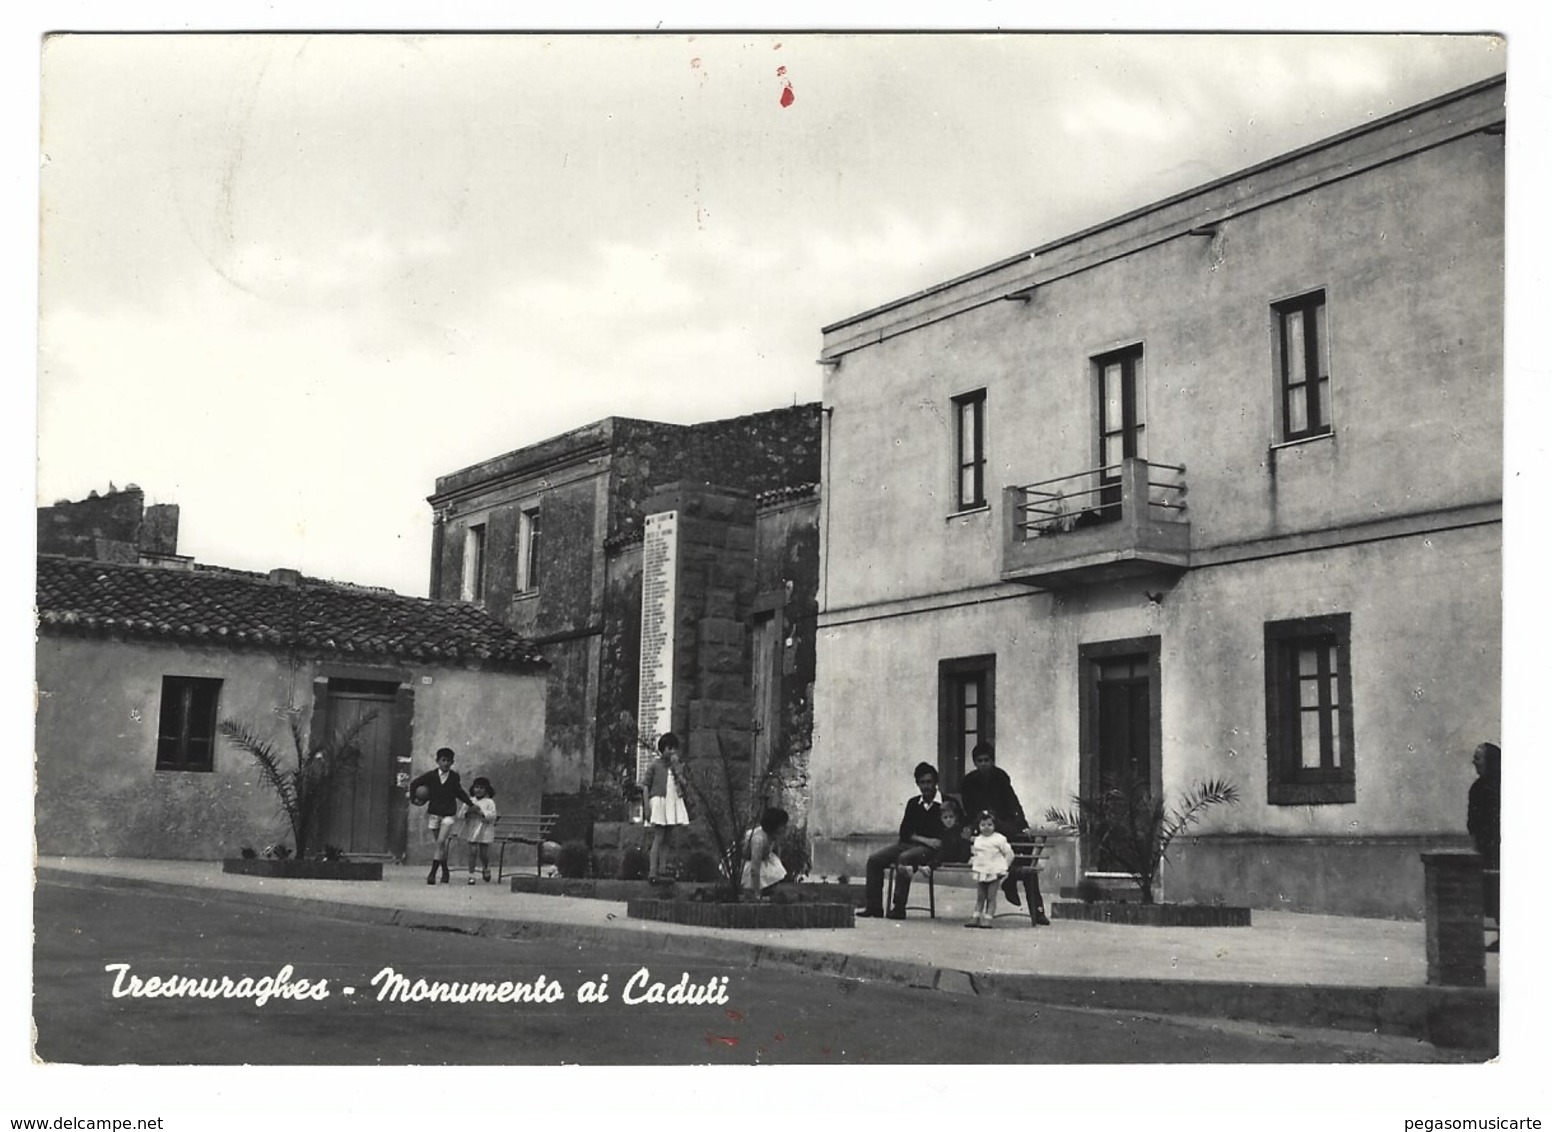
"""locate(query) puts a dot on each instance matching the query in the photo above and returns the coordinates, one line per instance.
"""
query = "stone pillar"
(700, 605)
(1452, 886)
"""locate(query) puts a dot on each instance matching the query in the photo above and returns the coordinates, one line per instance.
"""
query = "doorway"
(1120, 724)
(358, 817)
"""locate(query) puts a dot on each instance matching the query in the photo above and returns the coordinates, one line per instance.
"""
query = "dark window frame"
(953, 674)
(529, 528)
(1132, 427)
(186, 724)
(974, 461)
(1317, 369)
(1288, 781)
(472, 585)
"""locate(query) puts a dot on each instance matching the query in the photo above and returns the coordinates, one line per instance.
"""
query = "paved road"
(86, 1013)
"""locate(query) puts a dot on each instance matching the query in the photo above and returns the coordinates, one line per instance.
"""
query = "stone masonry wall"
(114, 527)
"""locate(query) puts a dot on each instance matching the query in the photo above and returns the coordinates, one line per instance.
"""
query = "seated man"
(988, 787)
(920, 843)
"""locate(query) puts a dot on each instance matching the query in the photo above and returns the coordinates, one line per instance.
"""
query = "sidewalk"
(1289, 968)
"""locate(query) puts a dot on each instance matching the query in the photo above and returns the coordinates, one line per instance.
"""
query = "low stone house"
(136, 666)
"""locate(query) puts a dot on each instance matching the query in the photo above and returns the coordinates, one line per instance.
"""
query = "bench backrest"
(524, 827)
(1028, 852)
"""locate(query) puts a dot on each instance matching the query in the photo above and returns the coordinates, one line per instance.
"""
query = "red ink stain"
(787, 97)
(780, 71)
(710, 1038)
(735, 1015)
(825, 1051)
(781, 1037)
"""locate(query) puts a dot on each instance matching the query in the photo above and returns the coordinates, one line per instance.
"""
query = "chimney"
(285, 577)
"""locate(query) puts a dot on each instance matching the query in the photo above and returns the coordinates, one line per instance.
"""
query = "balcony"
(1126, 520)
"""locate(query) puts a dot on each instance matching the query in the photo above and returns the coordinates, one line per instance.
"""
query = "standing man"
(1483, 803)
(920, 843)
(988, 788)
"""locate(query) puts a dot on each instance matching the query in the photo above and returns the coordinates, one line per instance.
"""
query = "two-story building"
(550, 540)
(1210, 490)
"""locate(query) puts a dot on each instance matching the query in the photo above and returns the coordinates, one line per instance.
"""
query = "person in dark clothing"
(988, 788)
(1483, 803)
(440, 792)
(920, 843)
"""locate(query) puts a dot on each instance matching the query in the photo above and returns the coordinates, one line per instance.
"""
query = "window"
(186, 733)
(1122, 402)
(474, 563)
(1121, 413)
(1304, 369)
(966, 712)
(1309, 712)
(528, 550)
(970, 449)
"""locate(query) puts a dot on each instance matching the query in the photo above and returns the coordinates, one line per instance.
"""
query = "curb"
(1448, 1017)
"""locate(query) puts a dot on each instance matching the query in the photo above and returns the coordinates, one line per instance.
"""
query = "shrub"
(606, 863)
(700, 867)
(1089, 890)
(794, 858)
(573, 860)
(635, 864)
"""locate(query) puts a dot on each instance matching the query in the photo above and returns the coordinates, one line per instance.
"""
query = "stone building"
(550, 540)
(116, 527)
(1212, 489)
(137, 664)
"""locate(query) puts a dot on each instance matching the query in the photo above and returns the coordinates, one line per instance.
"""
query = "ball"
(422, 795)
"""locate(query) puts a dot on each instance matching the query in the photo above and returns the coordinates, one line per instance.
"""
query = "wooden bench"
(523, 829)
(1029, 853)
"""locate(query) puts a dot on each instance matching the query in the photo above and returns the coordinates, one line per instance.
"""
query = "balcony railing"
(1122, 520)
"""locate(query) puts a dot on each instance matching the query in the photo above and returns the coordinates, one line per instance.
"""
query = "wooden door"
(1120, 726)
(765, 672)
(358, 816)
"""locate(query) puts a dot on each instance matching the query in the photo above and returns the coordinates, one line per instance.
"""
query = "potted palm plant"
(1128, 824)
(304, 782)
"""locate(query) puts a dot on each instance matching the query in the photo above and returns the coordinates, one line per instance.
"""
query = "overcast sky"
(287, 281)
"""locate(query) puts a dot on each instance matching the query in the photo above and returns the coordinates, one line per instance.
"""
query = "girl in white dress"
(990, 859)
(666, 809)
(764, 870)
(479, 825)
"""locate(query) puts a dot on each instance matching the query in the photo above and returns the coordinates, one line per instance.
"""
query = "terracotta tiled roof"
(244, 611)
(784, 494)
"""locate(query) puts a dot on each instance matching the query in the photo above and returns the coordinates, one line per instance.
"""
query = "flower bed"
(1154, 915)
(291, 868)
(708, 914)
(589, 888)
(605, 888)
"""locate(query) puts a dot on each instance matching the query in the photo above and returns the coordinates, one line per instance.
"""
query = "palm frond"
(305, 789)
(272, 770)
(1127, 822)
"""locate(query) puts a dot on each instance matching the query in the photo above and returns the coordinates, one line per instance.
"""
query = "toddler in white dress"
(990, 859)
